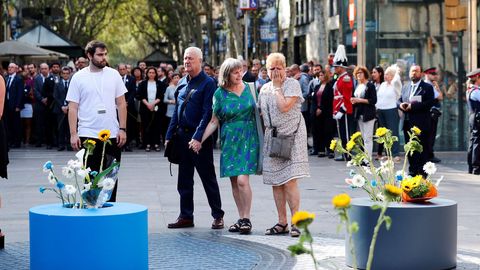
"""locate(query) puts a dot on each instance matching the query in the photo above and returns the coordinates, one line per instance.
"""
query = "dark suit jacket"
(419, 115)
(15, 93)
(143, 94)
(249, 77)
(59, 95)
(131, 87)
(48, 87)
(368, 111)
(326, 102)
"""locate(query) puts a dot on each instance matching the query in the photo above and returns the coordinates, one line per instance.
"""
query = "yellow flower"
(104, 135)
(341, 200)
(350, 145)
(381, 131)
(355, 136)
(300, 216)
(393, 189)
(416, 130)
(417, 180)
(91, 142)
(407, 185)
(333, 145)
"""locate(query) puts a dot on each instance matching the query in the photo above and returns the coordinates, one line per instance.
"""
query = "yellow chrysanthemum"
(92, 142)
(416, 130)
(333, 145)
(407, 185)
(417, 180)
(104, 135)
(381, 131)
(341, 200)
(355, 136)
(300, 216)
(350, 145)
(393, 189)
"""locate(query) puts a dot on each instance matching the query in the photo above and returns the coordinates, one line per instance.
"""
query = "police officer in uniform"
(431, 77)
(342, 93)
(473, 95)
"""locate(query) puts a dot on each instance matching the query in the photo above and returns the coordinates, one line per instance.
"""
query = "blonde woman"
(234, 111)
(280, 101)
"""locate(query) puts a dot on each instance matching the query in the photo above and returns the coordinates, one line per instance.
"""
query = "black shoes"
(435, 160)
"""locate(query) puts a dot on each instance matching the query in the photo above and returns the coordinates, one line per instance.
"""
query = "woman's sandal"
(235, 227)
(147, 149)
(294, 231)
(277, 229)
(245, 226)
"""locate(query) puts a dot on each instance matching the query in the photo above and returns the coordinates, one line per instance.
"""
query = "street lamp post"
(461, 76)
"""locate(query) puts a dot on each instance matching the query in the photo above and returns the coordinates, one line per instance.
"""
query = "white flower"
(430, 168)
(68, 172)
(51, 178)
(83, 172)
(70, 189)
(107, 184)
(74, 164)
(80, 154)
(367, 169)
(86, 187)
(398, 173)
(381, 197)
(349, 164)
(358, 181)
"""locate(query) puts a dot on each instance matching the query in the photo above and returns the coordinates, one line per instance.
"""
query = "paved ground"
(145, 179)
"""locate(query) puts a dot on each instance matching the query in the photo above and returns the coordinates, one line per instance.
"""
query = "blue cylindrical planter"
(114, 237)
(422, 236)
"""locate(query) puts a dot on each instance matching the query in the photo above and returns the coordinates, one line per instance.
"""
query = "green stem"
(350, 240)
(380, 220)
(79, 192)
(103, 156)
(307, 232)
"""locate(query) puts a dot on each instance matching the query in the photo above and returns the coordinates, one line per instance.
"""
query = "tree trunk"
(291, 34)
(234, 26)
(322, 43)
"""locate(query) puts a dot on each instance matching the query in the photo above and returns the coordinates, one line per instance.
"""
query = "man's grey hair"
(228, 66)
(195, 50)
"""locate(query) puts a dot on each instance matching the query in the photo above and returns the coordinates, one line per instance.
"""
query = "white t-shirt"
(151, 91)
(388, 94)
(95, 93)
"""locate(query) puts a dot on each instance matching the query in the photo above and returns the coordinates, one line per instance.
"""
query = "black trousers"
(326, 131)
(151, 128)
(63, 130)
(473, 157)
(13, 127)
(132, 127)
(111, 151)
(346, 128)
(50, 127)
(433, 135)
(417, 160)
(203, 163)
(39, 122)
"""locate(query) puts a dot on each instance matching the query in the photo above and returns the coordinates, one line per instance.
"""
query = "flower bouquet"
(384, 183)
(86, 188)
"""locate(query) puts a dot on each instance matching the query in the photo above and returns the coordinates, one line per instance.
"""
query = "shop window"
(332, 8)
(303, 8)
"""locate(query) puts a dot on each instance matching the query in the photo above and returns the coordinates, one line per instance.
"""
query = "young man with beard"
(95, 95)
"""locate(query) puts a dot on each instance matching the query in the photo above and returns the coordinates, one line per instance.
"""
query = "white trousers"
(366, 128)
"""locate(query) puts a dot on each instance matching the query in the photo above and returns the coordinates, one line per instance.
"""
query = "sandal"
(245, 226)
(235, 227)
(157, 147)
(294, 231)
(277, 229)
(147, 148)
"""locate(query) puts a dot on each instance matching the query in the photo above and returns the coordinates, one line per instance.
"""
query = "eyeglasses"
(275, 68)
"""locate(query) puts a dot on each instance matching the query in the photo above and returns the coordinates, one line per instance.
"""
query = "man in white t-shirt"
(95, 95)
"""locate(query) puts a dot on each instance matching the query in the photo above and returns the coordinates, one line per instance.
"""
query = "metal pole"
(246, 35)
(461, 76)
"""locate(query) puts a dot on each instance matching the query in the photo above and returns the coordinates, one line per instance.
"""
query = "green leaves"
(298, 249)
(388, 222)
(375, 207)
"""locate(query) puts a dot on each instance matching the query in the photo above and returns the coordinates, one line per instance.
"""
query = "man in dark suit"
(60, 108)
(14, 86)
(199, 88)
(247, 75)
(40, 104)
(50, 117)
(132, 131)
(416, 100)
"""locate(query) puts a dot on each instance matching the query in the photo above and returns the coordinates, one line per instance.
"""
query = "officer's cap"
(431, 71)
(474, 73)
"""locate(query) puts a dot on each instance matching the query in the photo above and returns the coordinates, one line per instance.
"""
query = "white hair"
(391, 70)
(195, 50)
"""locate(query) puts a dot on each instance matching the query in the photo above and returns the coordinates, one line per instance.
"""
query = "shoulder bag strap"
(184, 105)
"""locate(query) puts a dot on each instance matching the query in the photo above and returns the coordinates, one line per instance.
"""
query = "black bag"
(281, 145)
(173, 149)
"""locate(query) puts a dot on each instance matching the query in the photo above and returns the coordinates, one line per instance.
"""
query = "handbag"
(173, 149)
(280, 145)
(258, 122)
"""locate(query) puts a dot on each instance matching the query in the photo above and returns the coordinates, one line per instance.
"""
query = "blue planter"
(114, 237)
(422, 236)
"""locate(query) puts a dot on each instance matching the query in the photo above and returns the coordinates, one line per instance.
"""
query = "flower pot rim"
(435, 202)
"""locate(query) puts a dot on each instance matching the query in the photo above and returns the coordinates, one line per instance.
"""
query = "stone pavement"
(145, 179)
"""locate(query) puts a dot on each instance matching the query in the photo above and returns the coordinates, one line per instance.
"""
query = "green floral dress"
(238, 132)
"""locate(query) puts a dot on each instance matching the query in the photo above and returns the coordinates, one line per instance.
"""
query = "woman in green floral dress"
(234, 111)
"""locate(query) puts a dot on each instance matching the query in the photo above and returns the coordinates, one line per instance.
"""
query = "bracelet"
(124, 129)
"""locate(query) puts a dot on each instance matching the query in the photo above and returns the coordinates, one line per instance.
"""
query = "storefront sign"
(268, 25)
(248, 4)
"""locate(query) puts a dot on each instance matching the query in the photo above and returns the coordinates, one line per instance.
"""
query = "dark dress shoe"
(435, 160)
(321, 154)
(331, 155)
(38, 145)
(128, 149)
(218, 224)
(61, 148)
(181, 223)
(339, 159)
(49, 147)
